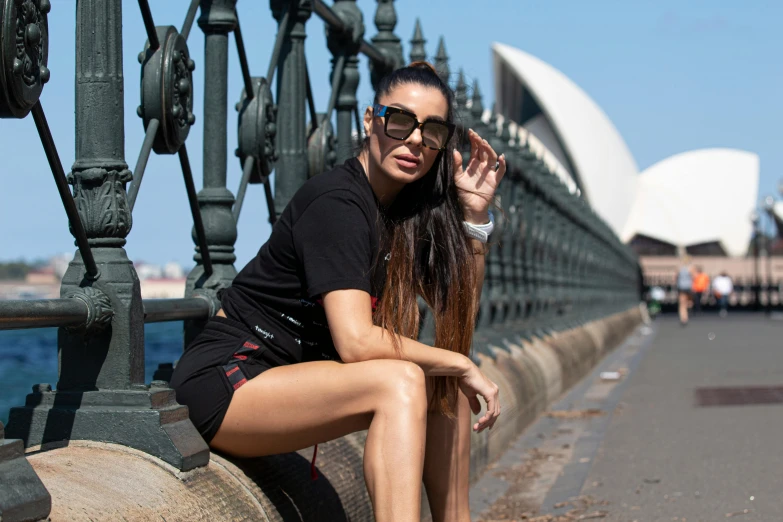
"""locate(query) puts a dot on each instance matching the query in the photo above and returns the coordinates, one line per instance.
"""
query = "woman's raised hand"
(477, 182)
(474, 383)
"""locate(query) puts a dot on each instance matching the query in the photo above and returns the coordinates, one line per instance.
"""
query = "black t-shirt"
(327, 238)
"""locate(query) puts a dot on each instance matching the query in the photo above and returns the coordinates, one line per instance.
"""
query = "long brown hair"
(430, 255)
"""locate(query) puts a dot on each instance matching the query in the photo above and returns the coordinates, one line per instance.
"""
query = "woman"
(684, 284)
(316, 336)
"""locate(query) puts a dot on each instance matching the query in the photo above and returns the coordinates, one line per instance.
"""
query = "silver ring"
(497, 165)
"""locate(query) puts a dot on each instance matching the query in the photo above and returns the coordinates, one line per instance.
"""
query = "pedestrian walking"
(316, 337)
(684, 284)
(700, 285)
(722, 288)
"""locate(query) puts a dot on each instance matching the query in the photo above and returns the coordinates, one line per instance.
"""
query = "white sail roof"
(696, 197)
(597, 153)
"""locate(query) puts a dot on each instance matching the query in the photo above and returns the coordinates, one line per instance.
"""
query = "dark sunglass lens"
(434, 134)
(399, 125)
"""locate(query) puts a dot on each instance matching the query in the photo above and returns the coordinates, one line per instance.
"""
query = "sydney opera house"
(653, 210)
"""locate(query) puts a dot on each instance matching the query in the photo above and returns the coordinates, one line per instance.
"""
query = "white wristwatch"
(480, 232)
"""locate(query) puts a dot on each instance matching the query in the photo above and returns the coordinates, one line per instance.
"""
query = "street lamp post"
(754, 218)
(770, 281)
(769, 205)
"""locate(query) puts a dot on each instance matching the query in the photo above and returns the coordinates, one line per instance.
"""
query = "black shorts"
(222, 358)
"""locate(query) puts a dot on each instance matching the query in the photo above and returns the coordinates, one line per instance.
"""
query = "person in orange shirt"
(701, 283)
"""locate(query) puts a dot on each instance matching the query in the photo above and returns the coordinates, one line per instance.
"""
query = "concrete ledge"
(98, 481)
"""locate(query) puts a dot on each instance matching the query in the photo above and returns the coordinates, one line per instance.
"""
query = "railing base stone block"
(23, 496)
(147, 420)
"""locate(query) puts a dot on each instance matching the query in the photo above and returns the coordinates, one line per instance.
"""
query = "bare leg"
(683, 307)
(447, 464)
(292, 407)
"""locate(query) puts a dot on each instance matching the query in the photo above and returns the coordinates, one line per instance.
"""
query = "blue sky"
(672, 76)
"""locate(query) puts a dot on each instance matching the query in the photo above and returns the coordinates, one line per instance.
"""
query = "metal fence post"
(540, 250)
(485, 304)
(508, 234)
(101, 393)
(494, 270)
(442, 62)
(388, 42)
(529, 202)
(27, 498)
(516, 254)
(418, 53)
(291, 170)
(217, 20)
(344, 46)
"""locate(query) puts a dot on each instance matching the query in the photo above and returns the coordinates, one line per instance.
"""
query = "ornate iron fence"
(553, 263)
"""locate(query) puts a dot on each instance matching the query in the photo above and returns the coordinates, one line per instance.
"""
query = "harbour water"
(28, 357)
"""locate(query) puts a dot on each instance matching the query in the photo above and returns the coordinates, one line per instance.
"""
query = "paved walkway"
(691, 431)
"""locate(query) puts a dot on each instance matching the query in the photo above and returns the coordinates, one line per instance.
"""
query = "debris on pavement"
(738, 513)
(574, 414)
(610, 376)
(571, 516)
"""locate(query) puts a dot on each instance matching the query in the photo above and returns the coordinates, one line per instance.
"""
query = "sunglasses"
(399, 124)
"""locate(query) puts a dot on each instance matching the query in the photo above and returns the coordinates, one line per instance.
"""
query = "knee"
(403, 385)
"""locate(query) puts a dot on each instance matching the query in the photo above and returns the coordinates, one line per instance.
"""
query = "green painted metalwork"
(418, 53)
(386, 41)
(344, 45)
(552, 262)
(101, 386)
(442, 62)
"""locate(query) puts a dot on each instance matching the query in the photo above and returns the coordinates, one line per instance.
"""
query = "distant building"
(698, 202)
(173, 271)
(42, 276)
(148, 270)
(163, 288)
(166, 282)
(60, 263)
(43, 283)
